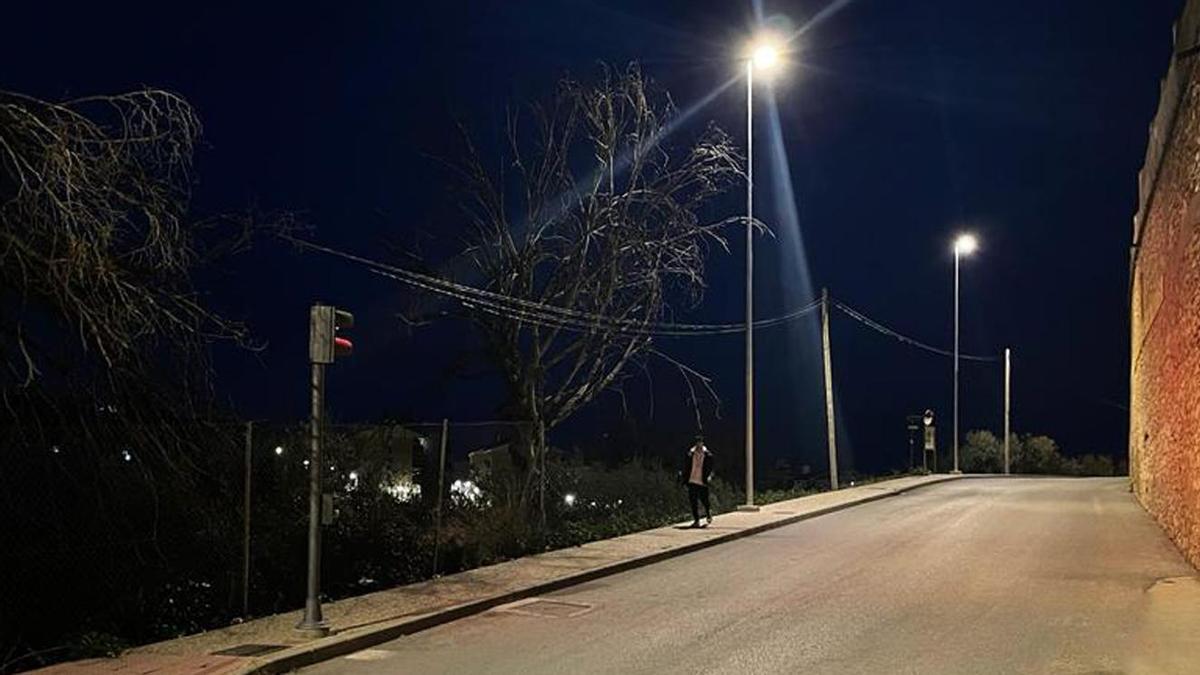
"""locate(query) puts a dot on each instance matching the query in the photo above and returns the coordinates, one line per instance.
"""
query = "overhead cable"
(544, 314)
(875, 325)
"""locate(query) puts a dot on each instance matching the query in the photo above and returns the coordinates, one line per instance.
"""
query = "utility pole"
(324, 345)
(1007, 403)
(246, 524)
(830, 426)
(441, 486)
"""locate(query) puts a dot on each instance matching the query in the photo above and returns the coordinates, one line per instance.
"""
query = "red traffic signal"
(324, 343)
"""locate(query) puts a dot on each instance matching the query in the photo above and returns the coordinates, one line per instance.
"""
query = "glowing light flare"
(465, 491)
(764, 56)
(403, 490)
(965, 244)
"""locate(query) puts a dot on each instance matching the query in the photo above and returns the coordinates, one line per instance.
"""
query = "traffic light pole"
(313, 623)
(324, 347)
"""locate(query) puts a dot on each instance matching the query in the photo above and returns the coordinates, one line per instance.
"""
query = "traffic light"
(324, 343)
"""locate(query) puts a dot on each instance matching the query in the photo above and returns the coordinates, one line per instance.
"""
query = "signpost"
(930, 441)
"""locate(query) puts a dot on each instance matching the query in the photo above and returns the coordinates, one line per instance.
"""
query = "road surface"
(1032, 575)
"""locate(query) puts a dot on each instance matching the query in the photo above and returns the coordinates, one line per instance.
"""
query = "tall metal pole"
(246, 524)
(441, 486)
(957, 257)
(313, 623)
(830, 427)
(749, 284)
(1007, 403)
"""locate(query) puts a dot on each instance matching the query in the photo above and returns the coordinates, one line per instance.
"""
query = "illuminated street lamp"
(763, 55)
(964, 245)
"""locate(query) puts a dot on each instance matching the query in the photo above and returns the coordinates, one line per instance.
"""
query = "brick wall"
(1164, 424)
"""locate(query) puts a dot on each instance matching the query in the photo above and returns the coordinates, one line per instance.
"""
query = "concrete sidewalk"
(271, 645)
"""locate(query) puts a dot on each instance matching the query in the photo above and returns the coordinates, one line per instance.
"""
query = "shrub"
(1096, 465)
(1038, 455)
(982, 453)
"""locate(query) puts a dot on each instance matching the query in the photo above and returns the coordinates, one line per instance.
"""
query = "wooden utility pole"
(830, 426)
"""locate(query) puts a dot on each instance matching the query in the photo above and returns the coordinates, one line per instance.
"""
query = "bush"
(1096, 465)
(982, 453)
(1037, 455)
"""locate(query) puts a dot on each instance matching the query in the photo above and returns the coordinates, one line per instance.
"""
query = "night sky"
(896, 125)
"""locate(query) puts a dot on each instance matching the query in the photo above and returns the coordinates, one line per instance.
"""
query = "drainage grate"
(552, 609)
(250, 650)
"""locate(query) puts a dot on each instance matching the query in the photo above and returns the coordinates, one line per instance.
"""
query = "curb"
(386, 631)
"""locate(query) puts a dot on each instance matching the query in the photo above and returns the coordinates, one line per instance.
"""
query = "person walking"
(697, 470)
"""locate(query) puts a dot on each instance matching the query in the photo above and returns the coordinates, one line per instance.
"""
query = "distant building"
(489, 461)
(1164, 379)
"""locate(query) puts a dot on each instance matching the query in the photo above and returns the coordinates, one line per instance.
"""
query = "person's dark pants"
(698, 494)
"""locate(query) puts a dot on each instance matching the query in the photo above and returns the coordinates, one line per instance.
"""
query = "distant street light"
(964, 245)
(279, 450)
(763, 55)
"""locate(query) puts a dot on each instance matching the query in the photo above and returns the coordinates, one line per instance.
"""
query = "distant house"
(489, 460)
(390, 445)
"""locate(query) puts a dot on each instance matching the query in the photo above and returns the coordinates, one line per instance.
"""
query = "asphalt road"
(974, 576)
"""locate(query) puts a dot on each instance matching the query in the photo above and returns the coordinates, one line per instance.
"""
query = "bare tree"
(97, 254)
(591, 211)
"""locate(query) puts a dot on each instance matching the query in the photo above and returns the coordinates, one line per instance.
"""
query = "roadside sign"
(929, 438)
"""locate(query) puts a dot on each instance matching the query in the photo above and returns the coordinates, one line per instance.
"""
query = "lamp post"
(964, 245)
(763, 55)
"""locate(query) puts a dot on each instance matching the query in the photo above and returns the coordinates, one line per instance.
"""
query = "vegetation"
(104, 374)
(983, 452)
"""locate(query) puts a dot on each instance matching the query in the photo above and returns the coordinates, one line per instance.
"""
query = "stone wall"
(1164, 424)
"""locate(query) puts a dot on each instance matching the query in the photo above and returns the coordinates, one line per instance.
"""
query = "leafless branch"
(594, 211)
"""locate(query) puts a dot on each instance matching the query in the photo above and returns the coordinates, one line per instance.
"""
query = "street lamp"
(964, 245)
(763, 55)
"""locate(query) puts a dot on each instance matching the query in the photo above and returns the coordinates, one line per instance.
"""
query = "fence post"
(441, 484)
(246, 523)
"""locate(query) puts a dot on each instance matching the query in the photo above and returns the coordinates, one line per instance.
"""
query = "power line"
(875, 325)
(553, 316)
(543, 314)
